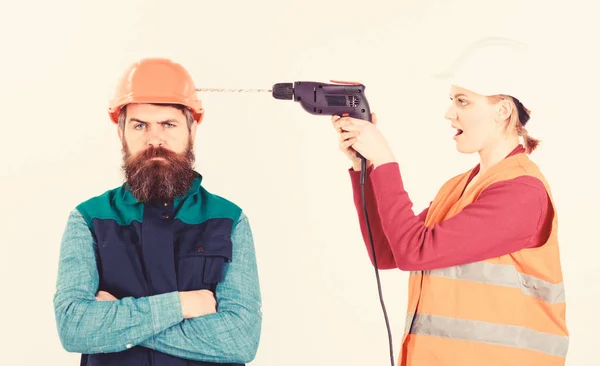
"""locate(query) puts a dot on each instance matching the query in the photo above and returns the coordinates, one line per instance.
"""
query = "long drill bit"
(234, 90)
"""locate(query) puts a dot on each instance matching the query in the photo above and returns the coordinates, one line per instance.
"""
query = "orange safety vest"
(508, 310)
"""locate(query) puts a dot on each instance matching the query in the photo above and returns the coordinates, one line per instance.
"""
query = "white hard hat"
(493, 66)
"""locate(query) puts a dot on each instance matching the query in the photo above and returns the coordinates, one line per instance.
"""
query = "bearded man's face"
(158, 154)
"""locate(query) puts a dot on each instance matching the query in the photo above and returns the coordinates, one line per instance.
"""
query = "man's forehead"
(150, 113)
(155, 121)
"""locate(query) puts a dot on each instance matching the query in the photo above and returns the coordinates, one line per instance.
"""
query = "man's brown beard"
(154, 180)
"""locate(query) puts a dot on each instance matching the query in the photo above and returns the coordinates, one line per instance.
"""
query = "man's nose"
(154, 138)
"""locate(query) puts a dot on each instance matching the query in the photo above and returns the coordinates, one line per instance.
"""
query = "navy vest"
(150, 249)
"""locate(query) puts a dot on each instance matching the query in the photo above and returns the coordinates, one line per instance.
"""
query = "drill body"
(341, 98)
(344, 99)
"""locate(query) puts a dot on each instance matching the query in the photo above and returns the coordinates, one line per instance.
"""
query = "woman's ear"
(504, 110)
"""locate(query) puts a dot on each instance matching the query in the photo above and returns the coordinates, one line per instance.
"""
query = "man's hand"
(105, 296)
(193, 303)
(197, 303)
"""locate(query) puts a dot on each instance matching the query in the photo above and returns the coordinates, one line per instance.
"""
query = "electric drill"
(342, 99)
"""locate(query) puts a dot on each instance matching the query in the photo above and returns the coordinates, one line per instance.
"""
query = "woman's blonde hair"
(518, 119)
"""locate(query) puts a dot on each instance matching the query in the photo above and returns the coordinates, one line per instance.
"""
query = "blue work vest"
(155, 248)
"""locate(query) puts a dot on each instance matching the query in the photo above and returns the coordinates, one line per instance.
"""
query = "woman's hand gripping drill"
(357, 135)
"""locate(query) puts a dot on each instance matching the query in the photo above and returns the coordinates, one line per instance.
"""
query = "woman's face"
(475, 120)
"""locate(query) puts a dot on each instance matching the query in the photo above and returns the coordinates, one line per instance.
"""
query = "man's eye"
(138, 126)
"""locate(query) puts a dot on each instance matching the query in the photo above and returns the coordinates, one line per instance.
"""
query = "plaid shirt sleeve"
(88, 326)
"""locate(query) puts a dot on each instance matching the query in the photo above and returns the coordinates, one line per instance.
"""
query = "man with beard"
(158, 271)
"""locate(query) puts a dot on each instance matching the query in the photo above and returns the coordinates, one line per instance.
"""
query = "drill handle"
(363, 111)
(359, 114)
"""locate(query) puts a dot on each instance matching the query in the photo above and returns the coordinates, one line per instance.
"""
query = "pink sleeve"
(508, 216)
(383, 253)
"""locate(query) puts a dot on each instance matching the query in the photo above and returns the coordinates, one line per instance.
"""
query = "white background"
(60, 61)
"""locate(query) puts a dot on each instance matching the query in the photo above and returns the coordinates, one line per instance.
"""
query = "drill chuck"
(283, 91)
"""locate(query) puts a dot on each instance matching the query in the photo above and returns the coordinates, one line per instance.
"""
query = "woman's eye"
(462, 102)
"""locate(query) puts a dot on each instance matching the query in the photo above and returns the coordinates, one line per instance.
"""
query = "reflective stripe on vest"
(503, 275)
(492, 333)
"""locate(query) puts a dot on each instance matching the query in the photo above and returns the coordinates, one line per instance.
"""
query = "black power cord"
(363, 173)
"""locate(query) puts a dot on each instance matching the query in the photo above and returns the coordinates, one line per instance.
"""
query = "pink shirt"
(508, 216)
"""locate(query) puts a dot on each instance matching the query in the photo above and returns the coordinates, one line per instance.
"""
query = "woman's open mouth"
(458, 133)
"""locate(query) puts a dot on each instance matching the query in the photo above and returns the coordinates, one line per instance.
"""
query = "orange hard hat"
(156, 80)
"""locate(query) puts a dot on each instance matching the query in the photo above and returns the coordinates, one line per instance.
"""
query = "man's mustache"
(153, 152)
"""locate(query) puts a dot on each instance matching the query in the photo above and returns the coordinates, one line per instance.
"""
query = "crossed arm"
(88, 326)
